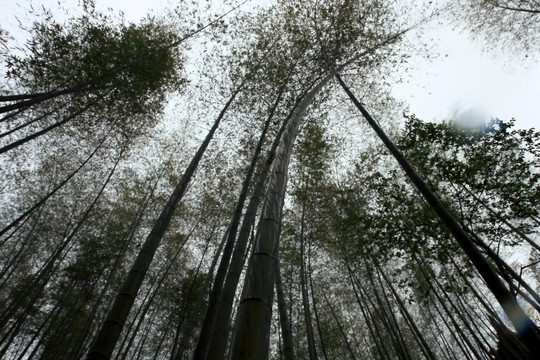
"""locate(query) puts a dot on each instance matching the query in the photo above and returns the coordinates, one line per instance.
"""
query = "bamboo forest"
(235, 180)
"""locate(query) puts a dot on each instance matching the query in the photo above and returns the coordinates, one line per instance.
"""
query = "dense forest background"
(236, 181)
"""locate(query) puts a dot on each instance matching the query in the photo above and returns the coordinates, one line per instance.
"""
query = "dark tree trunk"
(208, 346)
(288, 350)
(523, 324)
(305, 299)
(112, 327)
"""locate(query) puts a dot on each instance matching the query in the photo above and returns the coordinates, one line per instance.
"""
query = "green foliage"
(313, 155)
(496, 163)
(348, 221)
(122, 65)
(334, 31)
(376, 214)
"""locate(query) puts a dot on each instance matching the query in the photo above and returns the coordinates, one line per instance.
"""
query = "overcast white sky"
(467, 83)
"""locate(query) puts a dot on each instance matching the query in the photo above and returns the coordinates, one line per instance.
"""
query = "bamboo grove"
(236, 182)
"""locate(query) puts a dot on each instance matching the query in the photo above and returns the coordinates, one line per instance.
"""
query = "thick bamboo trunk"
(208, 345)
(224, 309)
(251, 335)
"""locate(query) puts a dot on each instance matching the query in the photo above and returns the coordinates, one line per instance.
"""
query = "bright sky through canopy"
(463, 82)
(472, 84)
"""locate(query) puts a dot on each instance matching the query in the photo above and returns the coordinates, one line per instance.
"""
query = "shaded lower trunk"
(312, 351)
(288, 350)
(208, 346)
(251, 334)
